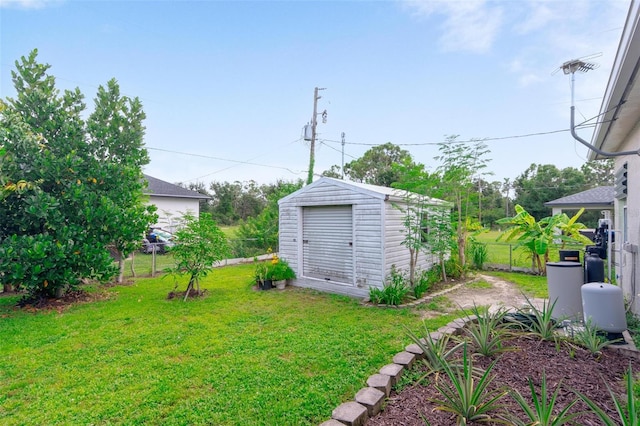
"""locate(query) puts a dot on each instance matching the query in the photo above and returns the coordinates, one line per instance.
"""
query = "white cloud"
(470, 25)
(28, 4)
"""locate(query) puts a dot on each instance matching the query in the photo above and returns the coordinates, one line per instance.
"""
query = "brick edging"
(368, 401)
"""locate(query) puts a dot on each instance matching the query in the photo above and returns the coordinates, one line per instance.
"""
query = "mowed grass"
(236, 357)
(531, 285)
(501, 253)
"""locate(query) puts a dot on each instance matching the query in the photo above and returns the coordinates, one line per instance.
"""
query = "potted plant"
(262, 275)
(280, 271)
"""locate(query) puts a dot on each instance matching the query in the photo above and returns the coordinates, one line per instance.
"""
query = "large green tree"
(74, 184)
(115, 139)
(376, 166)
(541, 183)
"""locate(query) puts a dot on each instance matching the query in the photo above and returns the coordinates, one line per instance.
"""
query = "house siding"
(171, 209)
(632, 203)
(397, 254)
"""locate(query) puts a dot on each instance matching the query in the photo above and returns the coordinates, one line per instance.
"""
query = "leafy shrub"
(453, 268)
(394, 292)
(423, 283)
(479, 254)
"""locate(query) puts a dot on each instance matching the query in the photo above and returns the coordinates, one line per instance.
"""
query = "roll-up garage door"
(327, 240)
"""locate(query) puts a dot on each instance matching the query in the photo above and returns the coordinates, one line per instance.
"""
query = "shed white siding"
(376, 233)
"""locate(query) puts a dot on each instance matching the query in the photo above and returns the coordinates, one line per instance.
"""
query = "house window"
(424, 227)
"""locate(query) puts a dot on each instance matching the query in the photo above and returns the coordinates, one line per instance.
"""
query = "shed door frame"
(327, 243)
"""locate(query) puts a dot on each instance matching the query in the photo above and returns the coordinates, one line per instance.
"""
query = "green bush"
(479, 254)
(394, 292)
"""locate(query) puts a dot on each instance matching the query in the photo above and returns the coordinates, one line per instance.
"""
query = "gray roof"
(381, 192)
(160, 188)
(601, 196)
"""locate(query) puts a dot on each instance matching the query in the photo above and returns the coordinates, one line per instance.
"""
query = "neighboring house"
(618, 130)
(172, 201)
(343, 237)
(600, 198)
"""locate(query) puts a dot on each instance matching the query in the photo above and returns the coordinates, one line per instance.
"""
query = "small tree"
(200, 244)
(427, 222)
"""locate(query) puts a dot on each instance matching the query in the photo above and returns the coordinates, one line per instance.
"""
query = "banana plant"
(537, 238)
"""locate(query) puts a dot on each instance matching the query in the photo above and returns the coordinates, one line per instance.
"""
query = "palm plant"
(541, 413)
(468, 399)
(627, 415)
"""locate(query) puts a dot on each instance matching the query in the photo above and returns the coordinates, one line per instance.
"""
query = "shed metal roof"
(160, 188)
(601, 196)
(381, 192)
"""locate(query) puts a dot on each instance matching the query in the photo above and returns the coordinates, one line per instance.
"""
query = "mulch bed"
(575, 368)
(70, 298)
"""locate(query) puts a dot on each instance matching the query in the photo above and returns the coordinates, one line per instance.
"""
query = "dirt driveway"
(501, 293)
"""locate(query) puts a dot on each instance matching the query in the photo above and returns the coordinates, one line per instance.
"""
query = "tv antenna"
(580, 65)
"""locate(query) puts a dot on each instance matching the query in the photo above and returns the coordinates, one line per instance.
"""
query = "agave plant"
(627, 415)
(470, 399)
(488, 331)
(537, 322)
(541, 413)
(589, 338)
(436, 351)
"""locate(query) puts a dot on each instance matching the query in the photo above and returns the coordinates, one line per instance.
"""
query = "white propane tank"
(604, 304)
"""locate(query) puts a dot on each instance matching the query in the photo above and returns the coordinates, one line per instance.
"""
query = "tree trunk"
(120, 268)
(189, 287)
(7, 288)
(133, 270)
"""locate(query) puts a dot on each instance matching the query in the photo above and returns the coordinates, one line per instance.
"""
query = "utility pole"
(342, 168)
(314, 123)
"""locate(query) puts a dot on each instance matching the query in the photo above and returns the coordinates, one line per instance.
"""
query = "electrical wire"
(244, 162)
(224, 159)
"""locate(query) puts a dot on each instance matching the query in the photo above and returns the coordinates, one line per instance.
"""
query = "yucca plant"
(538, 322)
(470, 399)
(488, 331)
(627, 414)
(541, 412)
(436, 351)
(589, 338)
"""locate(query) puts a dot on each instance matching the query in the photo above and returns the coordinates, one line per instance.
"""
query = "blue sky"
(231, 83)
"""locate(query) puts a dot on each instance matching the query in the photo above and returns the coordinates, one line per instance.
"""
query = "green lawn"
(235, 357)
(502, 253)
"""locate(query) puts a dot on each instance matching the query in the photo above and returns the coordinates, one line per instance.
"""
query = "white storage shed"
(343, 237)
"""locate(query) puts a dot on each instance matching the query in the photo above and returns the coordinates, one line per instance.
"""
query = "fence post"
(153, 262)
(510, 259)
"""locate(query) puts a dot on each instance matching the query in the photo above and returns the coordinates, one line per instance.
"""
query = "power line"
(211, 157)
(473, 140)
(242, 162)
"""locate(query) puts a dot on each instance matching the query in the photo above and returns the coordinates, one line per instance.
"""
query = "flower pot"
(265, 284)
(281, 284)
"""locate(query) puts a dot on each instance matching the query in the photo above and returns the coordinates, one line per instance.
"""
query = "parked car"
(158, 241)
